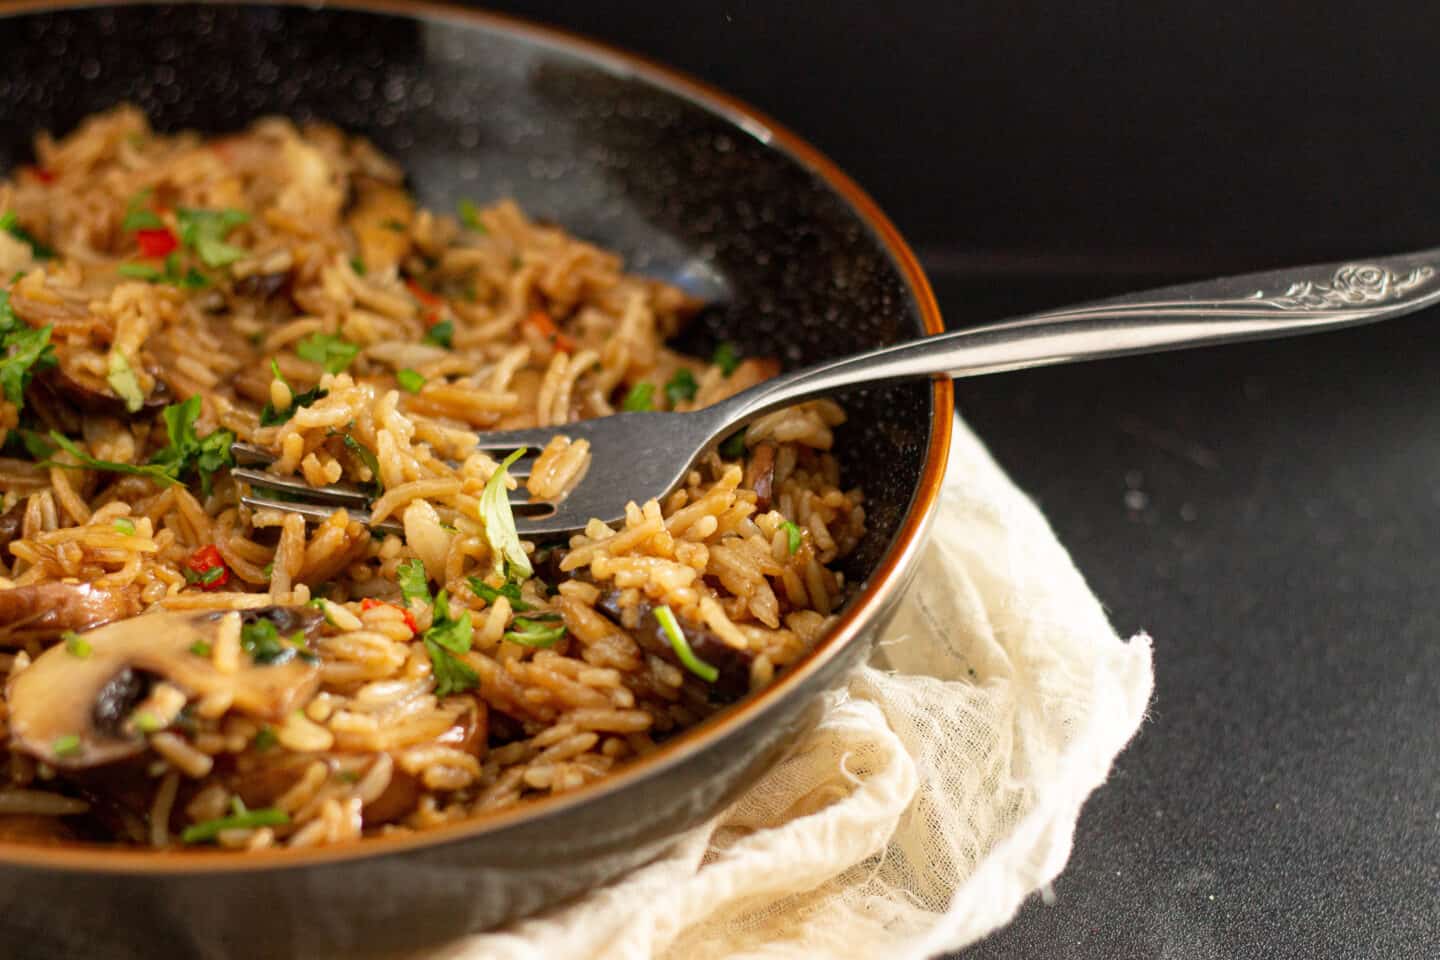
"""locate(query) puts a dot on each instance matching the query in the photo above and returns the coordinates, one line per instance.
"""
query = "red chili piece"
(43, 175)
(370, 603)
(208, 568)
(157, 242)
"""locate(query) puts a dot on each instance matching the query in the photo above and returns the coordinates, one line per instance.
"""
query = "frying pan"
(690, 186)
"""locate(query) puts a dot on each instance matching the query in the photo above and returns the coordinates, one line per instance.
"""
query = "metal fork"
(639, 456)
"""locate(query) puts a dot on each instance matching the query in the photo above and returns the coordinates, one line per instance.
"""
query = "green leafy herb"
(262, 641)
(734, 446)
(76, 645)
(681, 646)
(470, 216)
(333, 352)
(156, 472)
(141, 271)
(445, 638)
(265, 739)
(204, 231)
(23, 351)
(240, 819)
(67, 745)
(640, 397)
(681, 387)
(269, 416)
(358, 265)
(200, 648)
(537, 631)
(125, 526)
(10, 223)
(365, 455)
(146, 722)
(726, 357)
(511, 592)
(510, 559)
(792, 536)
(139, 216)
(204, 578)
(414, 582)
(349, 776)
(191, 279)
(409, 380)
(205, 455)
(123, 381)
(441, 334)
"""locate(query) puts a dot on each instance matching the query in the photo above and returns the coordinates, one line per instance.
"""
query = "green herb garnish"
(67, 745)
(200, 648)
(123, 381)
(414, 582)
(262, 641)
(726, 357)
(510, 560)
(240, 819)
(146, 722)
(333, 352)
(140, 271)
(10, 223)
(734, 446)
(139, 216)
(470, 216)
(358, 265)
(640, 397)
(204, 231)
(409, 380)
(125, 526)
(265, 739)
(511, 592)
(365, 455)
(270, 417)
(441, 334)
(76, 645)
(681, 646)
(792, 536)
(445, 638)
(187, 453)
(681, 387)
(23, 351)
(539, 630)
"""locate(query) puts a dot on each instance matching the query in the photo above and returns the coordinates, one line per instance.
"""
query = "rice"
(285, 278)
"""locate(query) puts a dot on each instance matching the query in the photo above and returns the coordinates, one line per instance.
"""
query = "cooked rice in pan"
(185, 670)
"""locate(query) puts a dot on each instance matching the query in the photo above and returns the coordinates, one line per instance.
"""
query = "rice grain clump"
(185, 670)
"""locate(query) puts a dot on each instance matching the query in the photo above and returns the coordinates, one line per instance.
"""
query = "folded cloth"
(940, 789)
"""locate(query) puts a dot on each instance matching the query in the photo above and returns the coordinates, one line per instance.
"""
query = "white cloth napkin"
(941, 788)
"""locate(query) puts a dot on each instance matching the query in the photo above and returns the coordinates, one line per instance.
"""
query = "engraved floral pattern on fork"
(1351, 285)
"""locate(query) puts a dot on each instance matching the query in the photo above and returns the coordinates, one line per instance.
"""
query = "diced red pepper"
(370, 603)
(208, 568)
(423, 295)
(43, 175)
(541, 321)
(157, 242)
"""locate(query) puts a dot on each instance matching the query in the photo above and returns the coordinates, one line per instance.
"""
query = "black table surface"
(1268, 512)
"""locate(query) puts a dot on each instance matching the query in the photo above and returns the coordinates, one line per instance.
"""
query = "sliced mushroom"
(733, 664)
(46, 610)
(760, 474)
(10, 523)
(70, 711)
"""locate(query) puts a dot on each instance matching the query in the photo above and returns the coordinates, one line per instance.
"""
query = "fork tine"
(318, 512)
(339, 493)
(249, 455)
(504, 441)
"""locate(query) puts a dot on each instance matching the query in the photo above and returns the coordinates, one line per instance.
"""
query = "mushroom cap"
(62, 696)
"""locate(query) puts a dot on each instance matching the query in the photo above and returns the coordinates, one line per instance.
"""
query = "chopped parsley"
(204, 231)
(666, 618)
(541, 630)
(365, 455)
(445, 638)
(263, 642)
(239, 819)
(358, 265)
(23, 351)
(67, 745)
(734, 446)
(332, 352)
(793, 538)
(270, 417)
(125, 526)
(265, 739)
(123, 381)
(681, 387)
(146, 722)
(76, 645)
(200, 648)
(187, 453)
(511, 592)
(10, 223)
(640, 397)
(409, 380)
(173, 273)
(414, 583)
(470, 216)
(139, 216)
(726, 357)
(509, 556)
(441, 334)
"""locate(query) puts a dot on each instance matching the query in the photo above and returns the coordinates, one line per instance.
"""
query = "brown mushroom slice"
(70, 711)
(49, 609)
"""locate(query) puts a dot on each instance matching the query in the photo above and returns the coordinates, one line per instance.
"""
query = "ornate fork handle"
(1252, 306)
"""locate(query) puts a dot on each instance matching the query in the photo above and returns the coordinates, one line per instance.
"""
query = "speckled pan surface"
(689, 187)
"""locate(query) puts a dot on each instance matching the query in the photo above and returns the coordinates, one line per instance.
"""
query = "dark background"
(1270, 512)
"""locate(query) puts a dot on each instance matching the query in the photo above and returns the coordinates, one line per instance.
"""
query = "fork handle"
(1252, 306)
